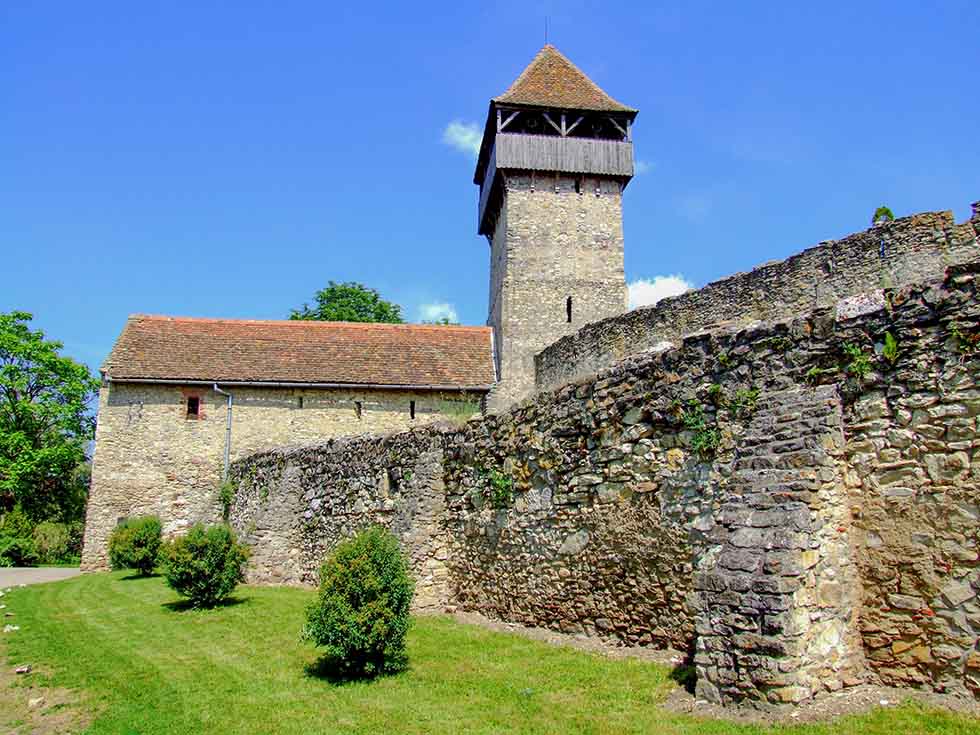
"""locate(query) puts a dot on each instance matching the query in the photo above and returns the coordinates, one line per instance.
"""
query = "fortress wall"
(908, 250)
(829, 537)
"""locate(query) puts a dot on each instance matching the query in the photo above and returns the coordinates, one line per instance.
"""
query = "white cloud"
(648, 291)
(642, 167)
(437, 312)
(464, 137)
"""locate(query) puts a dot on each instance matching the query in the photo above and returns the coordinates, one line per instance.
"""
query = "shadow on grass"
(684, 675)
(138, 575)
(186, 605)
(329, 670)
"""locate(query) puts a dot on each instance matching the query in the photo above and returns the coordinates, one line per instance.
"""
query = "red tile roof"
(238, 350)
(551, 80)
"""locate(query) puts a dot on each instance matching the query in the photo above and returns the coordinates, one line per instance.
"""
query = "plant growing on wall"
(704, 437)
(965, 343)
(890, 349)
(860, 364)
(498, 487)
(882, 214)
(743, 403)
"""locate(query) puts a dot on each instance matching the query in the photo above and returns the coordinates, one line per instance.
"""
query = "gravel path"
(13, 576)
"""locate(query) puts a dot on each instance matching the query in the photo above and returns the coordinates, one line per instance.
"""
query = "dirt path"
(14, 576)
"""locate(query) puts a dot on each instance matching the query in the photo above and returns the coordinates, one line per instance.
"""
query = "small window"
(193, 407)
(568, 310)
(578, 186)
(411, 409)
(358, 410)
(300, 402)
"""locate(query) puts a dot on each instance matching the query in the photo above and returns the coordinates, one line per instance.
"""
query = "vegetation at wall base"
(135, 544)
(361, 614)
(205, 564)
(131, 664)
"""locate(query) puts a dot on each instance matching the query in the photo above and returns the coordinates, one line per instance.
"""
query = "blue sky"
(228, 159)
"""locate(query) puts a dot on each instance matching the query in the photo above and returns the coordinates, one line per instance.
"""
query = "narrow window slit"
(411, 409)
(568, 310)
(358, 410)
(300, 401)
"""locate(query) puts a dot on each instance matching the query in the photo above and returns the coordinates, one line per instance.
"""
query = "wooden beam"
(618, 126)
(508, 121)
(552, 123)
(574, 125)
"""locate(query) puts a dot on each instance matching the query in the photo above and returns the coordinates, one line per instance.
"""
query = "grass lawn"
(142, 666)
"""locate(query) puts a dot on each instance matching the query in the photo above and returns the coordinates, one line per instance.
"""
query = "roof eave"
(301, 384)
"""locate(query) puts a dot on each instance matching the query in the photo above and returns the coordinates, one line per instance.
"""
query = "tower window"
(411, 409)
(568, 310)
(193, 407)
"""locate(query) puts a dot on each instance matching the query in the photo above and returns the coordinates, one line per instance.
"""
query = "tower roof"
(551, 80)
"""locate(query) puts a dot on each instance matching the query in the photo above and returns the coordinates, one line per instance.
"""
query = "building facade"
(180, 395)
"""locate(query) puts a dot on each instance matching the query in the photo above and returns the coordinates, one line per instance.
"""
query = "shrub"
(882, 214)
(205, 564)
(16, 540)
(360, 616)
(52, 542)
(135, 544)
(17, 551)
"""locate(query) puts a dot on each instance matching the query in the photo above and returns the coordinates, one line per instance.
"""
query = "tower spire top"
(552, 80)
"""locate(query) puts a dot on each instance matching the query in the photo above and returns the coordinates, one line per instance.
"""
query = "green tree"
(44, 422)
(349, 302)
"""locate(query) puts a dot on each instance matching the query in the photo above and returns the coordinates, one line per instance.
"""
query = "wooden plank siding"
(519, 151)
(569, 155)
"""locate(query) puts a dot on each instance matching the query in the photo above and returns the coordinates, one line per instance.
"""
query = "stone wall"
(908, 250)
(793, 503)
(557, 237)
(151, 458)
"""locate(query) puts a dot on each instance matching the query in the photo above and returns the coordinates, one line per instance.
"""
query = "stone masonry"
(556, 264)
(908, 250)
(793, 503)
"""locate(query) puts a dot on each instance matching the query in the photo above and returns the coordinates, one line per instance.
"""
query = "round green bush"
(135, 544)
(205, 564)
(361, 613)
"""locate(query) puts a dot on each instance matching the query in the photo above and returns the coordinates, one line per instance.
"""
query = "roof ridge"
(307, 322)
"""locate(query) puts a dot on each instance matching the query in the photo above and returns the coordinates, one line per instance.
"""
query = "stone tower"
(557, 154)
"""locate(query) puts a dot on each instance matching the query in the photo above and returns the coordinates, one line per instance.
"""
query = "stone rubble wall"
(913, 249)
(828, 537)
